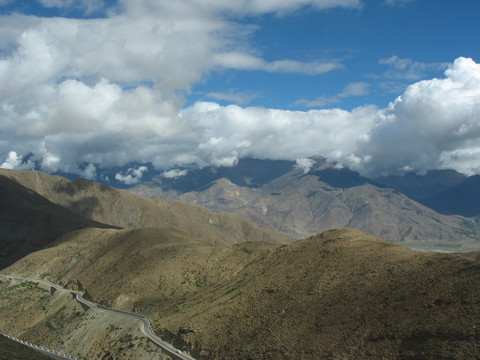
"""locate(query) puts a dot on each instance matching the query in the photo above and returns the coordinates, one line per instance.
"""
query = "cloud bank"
(79, 95)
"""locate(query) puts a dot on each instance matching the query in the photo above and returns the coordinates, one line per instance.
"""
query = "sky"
(380, 86)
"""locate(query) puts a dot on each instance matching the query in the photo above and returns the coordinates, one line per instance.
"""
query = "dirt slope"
(124, 209)
(342, 294)
(29, 222)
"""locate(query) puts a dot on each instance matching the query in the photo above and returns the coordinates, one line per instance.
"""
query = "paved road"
(172, 351)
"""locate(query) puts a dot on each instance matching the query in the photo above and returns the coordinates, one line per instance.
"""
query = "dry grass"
(123, 209)
(341, 294)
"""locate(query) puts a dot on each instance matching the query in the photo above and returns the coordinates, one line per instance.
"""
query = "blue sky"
(425, 35)
(379, 86)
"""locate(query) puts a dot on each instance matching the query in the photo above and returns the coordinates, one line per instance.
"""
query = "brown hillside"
(124, 209)
(342, 294)
(29, 222)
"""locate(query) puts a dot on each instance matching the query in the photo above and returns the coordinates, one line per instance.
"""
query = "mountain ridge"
(121, 208)
(29, 222)
(301, 203)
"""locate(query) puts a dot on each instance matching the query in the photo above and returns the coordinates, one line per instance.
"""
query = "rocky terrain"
(300, 203)
(445, 191)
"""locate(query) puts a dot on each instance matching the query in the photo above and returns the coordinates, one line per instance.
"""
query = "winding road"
(172, 351)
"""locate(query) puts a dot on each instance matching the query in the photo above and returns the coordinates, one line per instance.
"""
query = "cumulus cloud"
(225, 133)
(132, 175)
(433, 124)
(89, 172)
(108, 92)
(91, 90)
(305, 164)
(226, 161)
(174, 173)
(15, 162)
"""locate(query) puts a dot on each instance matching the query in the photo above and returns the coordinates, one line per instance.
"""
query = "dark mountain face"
(255, 173)
(419, 187)
(247, 172)
(29, 222)
(445, 191)
(340, 178)
(462, 199)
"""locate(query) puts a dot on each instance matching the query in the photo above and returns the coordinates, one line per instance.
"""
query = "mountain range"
(281, 196)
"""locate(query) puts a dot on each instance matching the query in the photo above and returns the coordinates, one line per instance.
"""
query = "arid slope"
(340, 294)
(29, 222)
(123, 209)
(30, 311)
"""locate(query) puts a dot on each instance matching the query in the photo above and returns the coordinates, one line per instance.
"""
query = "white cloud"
(243, 61)
(15, 162)
(254, 7)
(52, 163)
(91, 90)
(232, 132)
(433, 124)
(174, 173)
(305, 164)
(261, 6)
(90, 172)
(355, 89)
(88, 5)
(233, 96)
(107, 92)
(132, 176)
(227, 161)
(465, 160)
